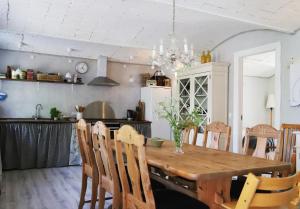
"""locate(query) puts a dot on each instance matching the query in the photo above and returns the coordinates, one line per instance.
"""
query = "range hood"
(102, 79)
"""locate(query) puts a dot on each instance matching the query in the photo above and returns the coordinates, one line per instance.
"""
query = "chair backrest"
(104, 158)
(262, 192)
(186, 135)
(85, 144)
(216, 130)
(288, 141)
(138, 193)
(263, 133)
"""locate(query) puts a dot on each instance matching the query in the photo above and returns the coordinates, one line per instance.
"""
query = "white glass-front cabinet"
(204, 87)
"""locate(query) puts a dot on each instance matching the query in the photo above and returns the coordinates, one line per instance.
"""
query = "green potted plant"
(54, 113)
(168, 111)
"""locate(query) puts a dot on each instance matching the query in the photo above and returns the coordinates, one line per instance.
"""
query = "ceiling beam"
(187, 7)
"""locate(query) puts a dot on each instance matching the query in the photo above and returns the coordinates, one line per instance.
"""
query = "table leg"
(214, 192)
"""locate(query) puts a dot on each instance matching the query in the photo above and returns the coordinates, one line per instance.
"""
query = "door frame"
(238, 89)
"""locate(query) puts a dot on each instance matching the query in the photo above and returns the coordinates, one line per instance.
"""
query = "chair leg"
(101, 198)
(83, 190)
(94, 192)
(116, 201)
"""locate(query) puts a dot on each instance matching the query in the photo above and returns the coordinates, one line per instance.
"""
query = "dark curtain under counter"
(35, 145)
(28, 144)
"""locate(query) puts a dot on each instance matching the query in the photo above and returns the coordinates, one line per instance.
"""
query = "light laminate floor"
(51, 188)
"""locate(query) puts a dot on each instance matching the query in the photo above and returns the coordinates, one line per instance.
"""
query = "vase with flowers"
(169, 111)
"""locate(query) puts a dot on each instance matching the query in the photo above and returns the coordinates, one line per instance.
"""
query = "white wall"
(23, 96)
(255, 93)
(290, 48)
(290, 45)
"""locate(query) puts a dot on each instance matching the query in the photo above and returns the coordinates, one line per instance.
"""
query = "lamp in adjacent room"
(271, 104)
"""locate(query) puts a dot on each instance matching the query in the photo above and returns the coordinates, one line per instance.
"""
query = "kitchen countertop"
(48, 120)
(32, 120)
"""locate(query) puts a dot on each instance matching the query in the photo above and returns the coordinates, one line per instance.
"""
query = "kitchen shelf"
(36, 81)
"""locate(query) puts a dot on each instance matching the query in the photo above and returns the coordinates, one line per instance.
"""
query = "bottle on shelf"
(208, 56)
(203, 58)
(8, 72)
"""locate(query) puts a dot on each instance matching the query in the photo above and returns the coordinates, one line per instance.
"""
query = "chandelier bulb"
(192, 50)
(185, 47)
(152, 66)
(172, 58)
(161, 48)
(153, 52)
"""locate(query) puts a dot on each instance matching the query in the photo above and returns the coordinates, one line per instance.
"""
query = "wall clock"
(81, 67)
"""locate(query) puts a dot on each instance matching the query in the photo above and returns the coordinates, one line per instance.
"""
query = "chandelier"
(173, 58)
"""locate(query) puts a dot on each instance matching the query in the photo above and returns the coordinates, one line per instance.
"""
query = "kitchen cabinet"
(204, 87)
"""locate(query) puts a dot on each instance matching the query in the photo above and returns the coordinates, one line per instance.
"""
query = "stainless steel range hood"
(102, 79)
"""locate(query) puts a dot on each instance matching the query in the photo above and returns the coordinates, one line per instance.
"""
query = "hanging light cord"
(173, 26)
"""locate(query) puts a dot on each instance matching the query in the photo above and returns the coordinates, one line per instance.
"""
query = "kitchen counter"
(123, 121)
(48, 120)
(32, 120)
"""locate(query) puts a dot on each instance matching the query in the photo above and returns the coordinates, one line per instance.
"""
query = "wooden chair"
(187, 132)
(89, 166)
(136, 187)
(263, 133)
(108, 176)
(262, 192)
(288, 141)
(217, 129)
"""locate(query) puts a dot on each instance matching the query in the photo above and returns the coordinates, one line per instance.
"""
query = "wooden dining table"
(211, 170)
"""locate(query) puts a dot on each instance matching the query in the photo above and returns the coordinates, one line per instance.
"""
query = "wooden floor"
(52, 188)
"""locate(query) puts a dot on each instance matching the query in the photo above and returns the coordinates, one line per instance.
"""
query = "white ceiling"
(260, 65)
(58, 46)
(136, 25)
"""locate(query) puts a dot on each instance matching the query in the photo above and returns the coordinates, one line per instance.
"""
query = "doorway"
(256, 90)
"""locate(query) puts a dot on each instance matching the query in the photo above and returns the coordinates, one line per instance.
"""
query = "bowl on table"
(155, 142)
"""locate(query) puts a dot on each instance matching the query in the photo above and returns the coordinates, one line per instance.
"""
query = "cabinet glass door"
(201, 99)
(184, 97)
